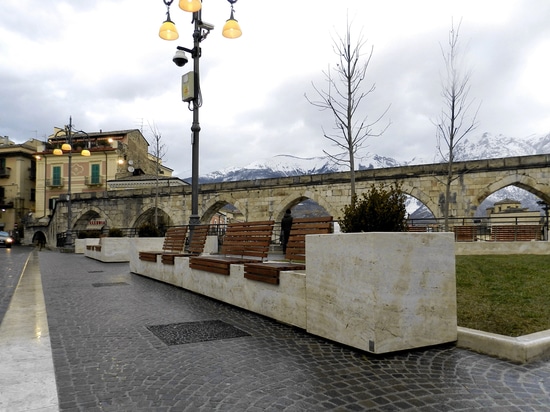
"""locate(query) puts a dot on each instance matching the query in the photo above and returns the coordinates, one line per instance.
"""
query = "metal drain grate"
(95, 271)
(191, 332)
(99, 285)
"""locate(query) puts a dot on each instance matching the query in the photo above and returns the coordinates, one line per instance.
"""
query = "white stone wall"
(382, 292)
(379, 292)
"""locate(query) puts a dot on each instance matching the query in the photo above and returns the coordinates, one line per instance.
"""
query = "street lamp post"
(168, 31)
(68, 147)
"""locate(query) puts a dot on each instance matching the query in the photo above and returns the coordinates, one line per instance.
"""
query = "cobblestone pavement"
(107, 359)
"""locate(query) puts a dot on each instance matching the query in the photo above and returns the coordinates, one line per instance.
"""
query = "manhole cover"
(191, 332)
(99, 285)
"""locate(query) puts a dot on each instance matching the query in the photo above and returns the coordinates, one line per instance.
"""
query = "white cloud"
(103, 64)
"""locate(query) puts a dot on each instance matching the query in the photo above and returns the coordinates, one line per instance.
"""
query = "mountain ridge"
(484, 146)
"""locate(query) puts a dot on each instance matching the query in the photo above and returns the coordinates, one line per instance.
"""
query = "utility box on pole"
(188, 86)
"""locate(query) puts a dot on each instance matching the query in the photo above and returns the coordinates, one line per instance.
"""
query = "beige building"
(510, 212)
(96, 160)
(17, 183)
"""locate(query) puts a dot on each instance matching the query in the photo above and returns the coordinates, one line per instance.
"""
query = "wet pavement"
(12, 262)
(122, 342)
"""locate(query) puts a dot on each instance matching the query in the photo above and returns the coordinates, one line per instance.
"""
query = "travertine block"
(382, 292)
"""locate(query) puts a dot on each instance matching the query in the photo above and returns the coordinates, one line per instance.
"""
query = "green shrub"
(115, 232)
(148, 230)
(382, 209)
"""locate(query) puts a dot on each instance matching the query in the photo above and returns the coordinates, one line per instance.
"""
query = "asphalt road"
(12, 262)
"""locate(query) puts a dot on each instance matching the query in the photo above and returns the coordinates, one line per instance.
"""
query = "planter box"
(113, 249)
(382, 292)
(139, 244)
(502, 248)
(80, 244)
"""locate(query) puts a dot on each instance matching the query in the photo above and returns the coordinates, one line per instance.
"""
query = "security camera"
(206, 26)
(180, 58)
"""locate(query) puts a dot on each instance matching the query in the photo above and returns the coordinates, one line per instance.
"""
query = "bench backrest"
(510, 233)
(197, 239)
(248, 239)
(174, 240)
(296, 246)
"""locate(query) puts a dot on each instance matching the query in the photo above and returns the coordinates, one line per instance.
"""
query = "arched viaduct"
(268, 198)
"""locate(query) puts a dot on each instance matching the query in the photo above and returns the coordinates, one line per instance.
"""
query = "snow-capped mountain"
(488, 146)
(287, 165)
(485, 146)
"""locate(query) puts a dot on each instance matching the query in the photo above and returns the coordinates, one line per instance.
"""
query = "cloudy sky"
(102, 62)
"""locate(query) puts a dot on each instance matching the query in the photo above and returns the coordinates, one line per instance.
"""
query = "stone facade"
(17, 177)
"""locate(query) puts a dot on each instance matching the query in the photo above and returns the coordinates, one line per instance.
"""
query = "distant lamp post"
(191, 81)
(68, 147)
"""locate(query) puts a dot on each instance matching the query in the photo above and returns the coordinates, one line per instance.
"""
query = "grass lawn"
(504, 294)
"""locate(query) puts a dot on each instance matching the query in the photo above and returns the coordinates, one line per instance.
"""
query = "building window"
(52, 202)
(32, 171)
(56, 176)
(33, 195)
(4, 171)
(95, 178)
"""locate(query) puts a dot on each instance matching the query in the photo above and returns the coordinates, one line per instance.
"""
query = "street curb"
(522, 349)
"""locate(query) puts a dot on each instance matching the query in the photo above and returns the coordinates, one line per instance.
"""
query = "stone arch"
(215, 204)
(414, 191)
(293, 199)
(39, 238)
(322, 201)
(148, 216)
(522, 181)
(80, 222)
(288, 203)
(213, 207)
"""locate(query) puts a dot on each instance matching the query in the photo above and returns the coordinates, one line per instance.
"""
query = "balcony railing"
(5, 172)
(6, 203)
(93, 180)
(57, 182)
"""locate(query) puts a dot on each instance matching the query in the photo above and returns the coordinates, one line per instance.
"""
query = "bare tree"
(457, 118)
(158, 152)
(344, 97)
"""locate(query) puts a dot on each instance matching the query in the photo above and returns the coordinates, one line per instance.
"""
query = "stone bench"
(110, 249)
(97, 246)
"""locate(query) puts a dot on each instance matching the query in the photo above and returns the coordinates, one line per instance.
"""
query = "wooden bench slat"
(196, 245)
(274, 280)
(269, 272)
(314, 219)
(215, 264)
(174, 241)
(509, 233)
(243, 242)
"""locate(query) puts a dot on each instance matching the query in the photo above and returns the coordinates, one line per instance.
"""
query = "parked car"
(5, 239)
